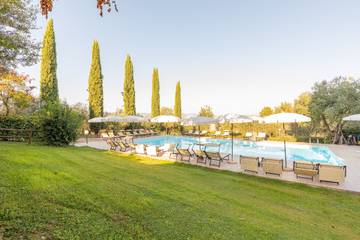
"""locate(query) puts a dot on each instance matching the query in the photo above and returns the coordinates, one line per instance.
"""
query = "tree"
(155, 100)
(15, 92)
(206, 111)
(47, 6)
(166, 111)
(266, 111)
(333, 100)
(129, 88)
(95, 89)
(48, 78)
(302, 104)
(177, 106)
(284, 107)
(17, 48)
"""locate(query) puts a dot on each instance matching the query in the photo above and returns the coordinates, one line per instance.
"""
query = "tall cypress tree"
(155, 100)
(48, 80)
(129, 88)
(177, 107)
(95, 89)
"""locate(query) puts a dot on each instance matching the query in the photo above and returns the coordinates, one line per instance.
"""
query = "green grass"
(81, 193)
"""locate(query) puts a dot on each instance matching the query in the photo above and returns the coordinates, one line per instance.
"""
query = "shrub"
(58, 124)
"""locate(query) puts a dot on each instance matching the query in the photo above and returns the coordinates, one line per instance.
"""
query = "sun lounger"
(140, 149)
(250, 164)
(123, 147)
(184, 153)
(173, 150)
(332, 173)
(189, 133)
(104, 135)
(199, 153)
(154, 132)
(260, 136)
(111, 134)
(217, 134)
(112, 145)
(226, 134)
(152, 151)
(272, 166)
(148, 132)
(305, 169)
(120, 134)
(197, 133)
(248, 135)
(216, 157)
(204, 133)
(129, 133)
(143, 133)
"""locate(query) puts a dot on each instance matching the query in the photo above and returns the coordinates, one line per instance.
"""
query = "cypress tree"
(48, 80)
(177, 107)
(95, 89)
(155, 100)
(129, 88)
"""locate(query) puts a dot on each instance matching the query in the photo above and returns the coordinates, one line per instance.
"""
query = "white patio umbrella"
(354, 118)
(121, 119)
(165, 119)
(286, 118)
(130, 119)
(198, 121)
(233, 119)
(97, 120)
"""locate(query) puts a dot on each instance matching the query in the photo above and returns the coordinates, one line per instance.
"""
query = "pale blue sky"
(233, 55)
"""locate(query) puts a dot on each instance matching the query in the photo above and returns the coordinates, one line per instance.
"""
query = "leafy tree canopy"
(15, 92)
(266, 111)
(284, 107)
(47, 6)
(333, 100)
(17, 48)
(302, 103)
(166, 111)
(206, 111)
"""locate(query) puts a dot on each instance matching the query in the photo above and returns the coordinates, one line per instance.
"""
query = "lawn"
(81, 193)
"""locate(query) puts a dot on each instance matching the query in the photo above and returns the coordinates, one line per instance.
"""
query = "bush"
(58, 124)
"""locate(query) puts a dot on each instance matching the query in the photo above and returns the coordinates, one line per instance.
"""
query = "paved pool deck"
(350, 154)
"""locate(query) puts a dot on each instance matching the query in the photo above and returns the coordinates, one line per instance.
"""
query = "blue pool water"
(305, 152)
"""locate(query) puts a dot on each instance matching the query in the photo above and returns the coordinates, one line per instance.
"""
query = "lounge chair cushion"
(249, 164)
(273, 166)
(332, 173)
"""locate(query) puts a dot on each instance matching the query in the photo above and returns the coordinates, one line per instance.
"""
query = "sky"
(234, 55)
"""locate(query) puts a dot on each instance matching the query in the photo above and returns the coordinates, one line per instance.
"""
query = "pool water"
(305, 152)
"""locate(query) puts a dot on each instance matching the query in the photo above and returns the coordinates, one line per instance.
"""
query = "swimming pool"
(306, 152)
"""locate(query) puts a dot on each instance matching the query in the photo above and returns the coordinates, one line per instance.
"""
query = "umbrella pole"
(285, 145)
(199, 134)
(232, 141)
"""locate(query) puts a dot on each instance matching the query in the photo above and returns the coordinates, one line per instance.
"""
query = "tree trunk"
(339, 136)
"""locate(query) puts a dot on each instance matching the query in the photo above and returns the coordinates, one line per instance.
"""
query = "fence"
(12, 134)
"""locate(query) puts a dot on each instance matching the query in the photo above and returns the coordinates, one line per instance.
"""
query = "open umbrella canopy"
(235, 118)
(355, 117)
(131, 119)
(199, 121)
(257, 119)
(165, 119)
(97, 120)
(119, 119)
(286, 118)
